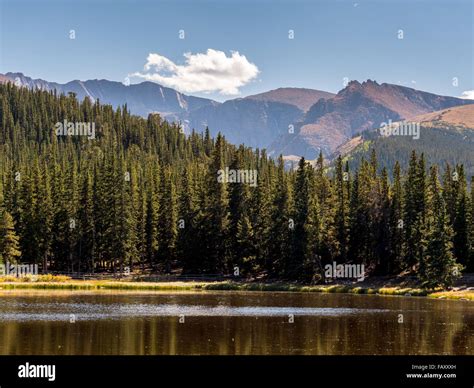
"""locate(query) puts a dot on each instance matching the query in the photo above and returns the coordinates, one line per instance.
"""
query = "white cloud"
(469, 94)
(208, 72)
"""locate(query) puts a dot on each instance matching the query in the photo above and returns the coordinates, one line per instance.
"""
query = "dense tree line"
(440, 143)
(144, 195)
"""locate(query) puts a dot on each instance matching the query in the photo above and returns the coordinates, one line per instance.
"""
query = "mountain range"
(292, 121)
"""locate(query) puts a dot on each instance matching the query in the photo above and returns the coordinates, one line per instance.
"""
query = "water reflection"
(232, 323)
(95, 311)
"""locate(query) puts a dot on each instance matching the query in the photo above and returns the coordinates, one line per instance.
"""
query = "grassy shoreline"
(98, 285)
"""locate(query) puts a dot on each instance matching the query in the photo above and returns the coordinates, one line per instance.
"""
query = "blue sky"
(332, 40)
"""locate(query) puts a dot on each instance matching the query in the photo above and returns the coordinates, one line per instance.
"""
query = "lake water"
(231, 323)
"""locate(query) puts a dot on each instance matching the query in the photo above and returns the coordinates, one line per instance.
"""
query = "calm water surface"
(85, 323)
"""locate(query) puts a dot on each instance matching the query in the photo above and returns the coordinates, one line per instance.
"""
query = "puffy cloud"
(212, 71)
(469, 94)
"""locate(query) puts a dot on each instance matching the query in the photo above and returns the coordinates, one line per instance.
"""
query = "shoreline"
(111, 285)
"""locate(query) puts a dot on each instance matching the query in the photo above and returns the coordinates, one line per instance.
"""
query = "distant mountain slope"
(300, 97)
(256, 120)
(255, 123)
(407, 102)
(446, 136)
(141, 99)
(357, 108)
(458, 116)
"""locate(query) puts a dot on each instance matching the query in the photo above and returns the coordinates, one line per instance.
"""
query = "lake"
(231, 323)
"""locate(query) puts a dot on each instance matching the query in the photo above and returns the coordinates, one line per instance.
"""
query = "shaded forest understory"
(143, 195)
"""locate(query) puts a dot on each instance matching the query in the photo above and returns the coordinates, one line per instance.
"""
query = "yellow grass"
(64, 283)
(462, 294)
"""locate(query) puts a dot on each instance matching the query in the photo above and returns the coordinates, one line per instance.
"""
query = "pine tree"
(9, 240)
(356, 222)
(450, 191)
(124, 242)
(151, 241)
(167, 220)
(295, 266)
(186, 240)
(329, 245)
(382, 246)
(44, 216)
(216, 208)
(396, 224)
(315, 246)
(415, 196)
(87, 243)
(28, 225)
(341, 185)
(281, 224)
(470, 263)
(362, 201)
(439, 264)
(460, 222)
(261, 200)
(241, 252)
